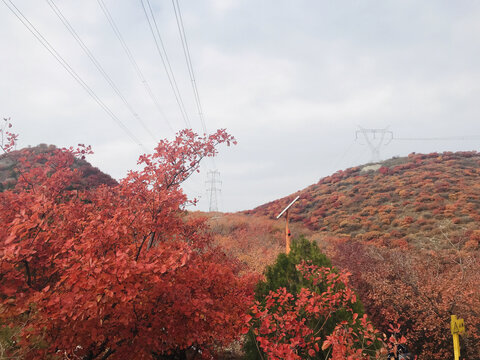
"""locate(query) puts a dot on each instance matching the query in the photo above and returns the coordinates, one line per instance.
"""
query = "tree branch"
(27, 270)
(141, 245)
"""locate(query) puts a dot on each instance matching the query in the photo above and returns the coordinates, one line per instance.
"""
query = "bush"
(305, 273)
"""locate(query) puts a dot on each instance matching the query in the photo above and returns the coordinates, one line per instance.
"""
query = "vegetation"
(394, 206)
(10, 168)
(306, 309)
(254, 241)
(114, 271)
(284, 272)
(409, 235)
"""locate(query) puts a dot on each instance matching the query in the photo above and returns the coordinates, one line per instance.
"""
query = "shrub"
(304, 307)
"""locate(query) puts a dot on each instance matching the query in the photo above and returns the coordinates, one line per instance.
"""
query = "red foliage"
(283, 323)
(419, 291)
(444, 185)
(254, 241)
(11, 165)
(116, 271)
(7, 138)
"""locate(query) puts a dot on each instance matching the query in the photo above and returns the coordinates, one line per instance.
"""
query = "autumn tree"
(116, 272)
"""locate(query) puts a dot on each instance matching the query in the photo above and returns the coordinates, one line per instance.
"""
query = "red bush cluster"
(114, 271)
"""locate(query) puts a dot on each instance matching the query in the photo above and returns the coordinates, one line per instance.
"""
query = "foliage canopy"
(114, 271)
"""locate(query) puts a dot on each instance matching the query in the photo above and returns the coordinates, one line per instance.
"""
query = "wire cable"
(188, 59)
(165, 61)
(133, 62)
(99, 67)
(468, 137)
(335, 164)
(30, 27)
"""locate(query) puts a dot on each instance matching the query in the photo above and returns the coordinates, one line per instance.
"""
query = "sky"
(293, 81)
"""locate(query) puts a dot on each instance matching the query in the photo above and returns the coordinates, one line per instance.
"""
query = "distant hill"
(413, 200)
(91, 176)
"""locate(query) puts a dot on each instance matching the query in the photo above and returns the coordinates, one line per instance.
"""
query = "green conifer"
(283, 273)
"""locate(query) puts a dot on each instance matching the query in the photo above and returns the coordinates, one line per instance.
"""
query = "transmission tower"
(375, 138)
(213, 180)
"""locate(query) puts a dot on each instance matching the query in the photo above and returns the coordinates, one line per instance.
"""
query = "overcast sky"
(291, 80)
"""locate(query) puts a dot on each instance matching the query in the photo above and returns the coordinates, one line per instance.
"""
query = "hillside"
(412, 200)
(408, 231)
(90, 177)
(255, 241)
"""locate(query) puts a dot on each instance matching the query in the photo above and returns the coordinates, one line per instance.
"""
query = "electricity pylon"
(213, 189)
(375, 138)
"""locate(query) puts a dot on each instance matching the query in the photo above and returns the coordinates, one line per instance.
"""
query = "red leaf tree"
(116, 272)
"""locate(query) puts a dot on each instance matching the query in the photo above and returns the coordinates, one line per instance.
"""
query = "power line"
(337, 161)
(468, 137)
(99, 67)
(165, 61)
(188, 59)
(133, 62)
(186, 51)
(30, 27)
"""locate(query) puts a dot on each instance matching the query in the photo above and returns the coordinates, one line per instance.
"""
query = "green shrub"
(283, 273)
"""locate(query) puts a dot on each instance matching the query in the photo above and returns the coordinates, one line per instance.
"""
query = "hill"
(412, 200)
(408, 231)
(90, 177)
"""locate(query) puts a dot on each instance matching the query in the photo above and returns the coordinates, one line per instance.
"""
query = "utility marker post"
(287, 230)
(457, 326)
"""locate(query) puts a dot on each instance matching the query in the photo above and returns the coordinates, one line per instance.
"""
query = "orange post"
(287, 235)
(287, 230)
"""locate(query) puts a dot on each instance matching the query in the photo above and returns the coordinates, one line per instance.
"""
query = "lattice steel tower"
(212, 188)
(375, 138)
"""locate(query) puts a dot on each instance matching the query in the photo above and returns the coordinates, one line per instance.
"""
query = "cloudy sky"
(292, 80)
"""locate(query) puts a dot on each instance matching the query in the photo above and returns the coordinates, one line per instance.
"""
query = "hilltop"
(402, 201)
(90, 177)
